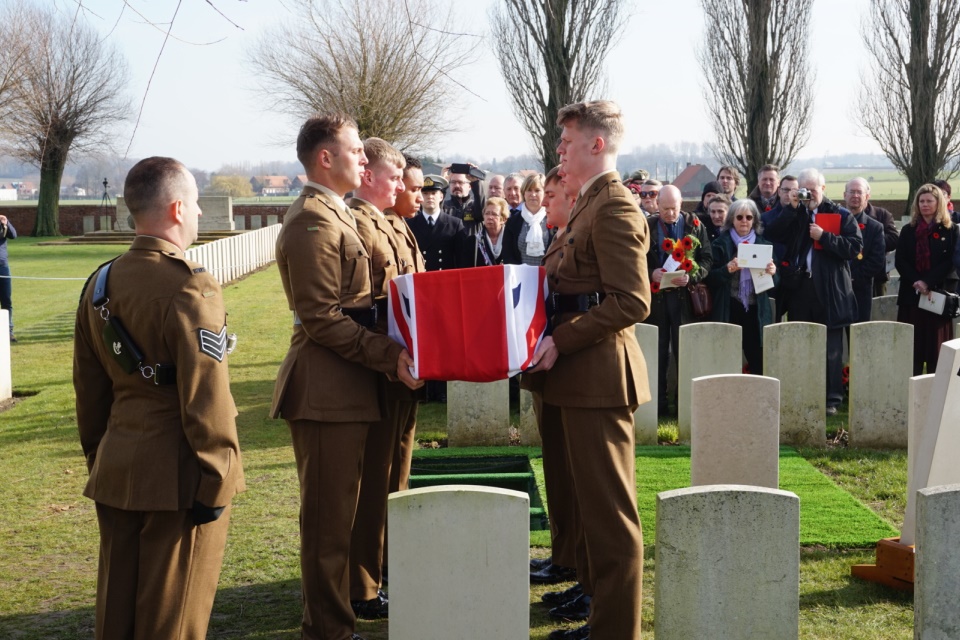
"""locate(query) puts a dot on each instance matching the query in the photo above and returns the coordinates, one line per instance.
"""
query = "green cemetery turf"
(829, 516)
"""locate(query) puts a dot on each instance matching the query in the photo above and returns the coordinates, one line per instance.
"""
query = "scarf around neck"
(924, 231)
(746, 280)
(534, 239)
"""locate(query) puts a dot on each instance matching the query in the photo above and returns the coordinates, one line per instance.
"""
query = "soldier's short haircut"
(154, 183)
(319, 130)
(552, 176)
(412, 163)
(379, 150)
(602, 116)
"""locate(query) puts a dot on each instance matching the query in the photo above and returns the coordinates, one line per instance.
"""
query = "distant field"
(885, 184)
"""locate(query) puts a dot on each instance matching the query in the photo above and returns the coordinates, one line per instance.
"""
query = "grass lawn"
(48, 532)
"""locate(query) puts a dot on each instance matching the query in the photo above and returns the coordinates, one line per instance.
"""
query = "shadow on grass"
(267, 610)
(846, 591)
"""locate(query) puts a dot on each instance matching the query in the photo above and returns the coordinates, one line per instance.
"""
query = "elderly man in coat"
(815, 281)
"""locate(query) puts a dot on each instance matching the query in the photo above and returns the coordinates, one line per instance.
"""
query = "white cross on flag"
(478, 325)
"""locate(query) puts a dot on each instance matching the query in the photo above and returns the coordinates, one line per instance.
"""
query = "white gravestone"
(728, 564)
(529, 431)
(706, 349)
(478, 413)
(474, 581)
(795, 353)
(735, 431)
(937, 564)
(919, 392)
(6, 372)
(884, 308)
(645, 420)
(938, 441)
(881, 363)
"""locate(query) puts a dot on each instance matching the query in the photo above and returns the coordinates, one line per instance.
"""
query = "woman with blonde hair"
(488, 248)
(526, 235)
(924, 261)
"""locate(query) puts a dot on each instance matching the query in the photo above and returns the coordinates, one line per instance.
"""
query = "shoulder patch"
(199, 270)
(313, 228)
(209, 294)
(213, 344)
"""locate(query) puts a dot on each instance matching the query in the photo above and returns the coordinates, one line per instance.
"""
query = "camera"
(804, 194)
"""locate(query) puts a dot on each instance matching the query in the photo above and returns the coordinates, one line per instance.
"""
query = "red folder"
(828, 222)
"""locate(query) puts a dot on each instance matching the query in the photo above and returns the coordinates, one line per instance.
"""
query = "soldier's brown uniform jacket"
(329, 373)
(157, 447)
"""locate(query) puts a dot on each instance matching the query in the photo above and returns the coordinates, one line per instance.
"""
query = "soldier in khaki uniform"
(595, 370)
(327, 384)
(404, 403)
(160, 440)
(382, 181)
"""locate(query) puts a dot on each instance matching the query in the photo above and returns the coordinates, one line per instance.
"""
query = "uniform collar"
(153, 243)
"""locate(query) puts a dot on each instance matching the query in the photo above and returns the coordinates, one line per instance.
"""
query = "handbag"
(700, 300)
(941, 303)
(951, 306)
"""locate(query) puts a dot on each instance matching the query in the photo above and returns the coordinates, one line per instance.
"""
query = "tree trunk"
(922, 80)
(757, 146)
(48, 204)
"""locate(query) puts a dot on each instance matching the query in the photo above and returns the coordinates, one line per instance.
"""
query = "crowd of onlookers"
(828, 260)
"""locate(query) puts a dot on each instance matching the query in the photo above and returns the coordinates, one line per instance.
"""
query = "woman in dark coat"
(734, 298)
(488, 245)
(924, 261)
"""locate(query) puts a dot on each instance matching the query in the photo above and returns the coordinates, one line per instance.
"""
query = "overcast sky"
(202, 107)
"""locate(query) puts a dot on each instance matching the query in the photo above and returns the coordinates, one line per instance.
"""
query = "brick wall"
(24, 217)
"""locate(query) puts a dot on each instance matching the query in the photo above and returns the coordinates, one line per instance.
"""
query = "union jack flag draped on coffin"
(480, 324)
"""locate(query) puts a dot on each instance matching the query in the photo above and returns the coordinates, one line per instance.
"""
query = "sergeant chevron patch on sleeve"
(214, 344)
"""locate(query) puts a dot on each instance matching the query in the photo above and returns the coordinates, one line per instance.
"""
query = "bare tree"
(550, 54)
(757, 83)
(13, 53)
(909, 103)
(391, 65)
(67, 100)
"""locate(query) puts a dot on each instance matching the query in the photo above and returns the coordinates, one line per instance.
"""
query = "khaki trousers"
(157, 574)
(561, 499)
(329, 462)
(600, 449)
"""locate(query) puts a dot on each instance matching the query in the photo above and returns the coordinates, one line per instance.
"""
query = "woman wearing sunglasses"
(734, 298)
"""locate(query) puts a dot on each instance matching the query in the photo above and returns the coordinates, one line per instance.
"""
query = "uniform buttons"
(561, 254)
(570, 241)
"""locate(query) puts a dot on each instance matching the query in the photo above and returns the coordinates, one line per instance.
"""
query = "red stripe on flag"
(539, 323)
(460, 325)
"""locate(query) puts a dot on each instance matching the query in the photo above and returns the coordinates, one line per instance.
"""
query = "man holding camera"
(466, 198)
(820, 239)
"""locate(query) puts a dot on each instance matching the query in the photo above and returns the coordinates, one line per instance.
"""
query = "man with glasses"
(465, 200)
(857, 197)
(868, 267)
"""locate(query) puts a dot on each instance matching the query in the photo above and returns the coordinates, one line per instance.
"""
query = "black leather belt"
(364, 317)
(578, 303)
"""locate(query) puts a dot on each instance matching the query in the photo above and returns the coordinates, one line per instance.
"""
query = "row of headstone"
(6, 372)
(794, 353)
(712, 581)
(707, 584)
